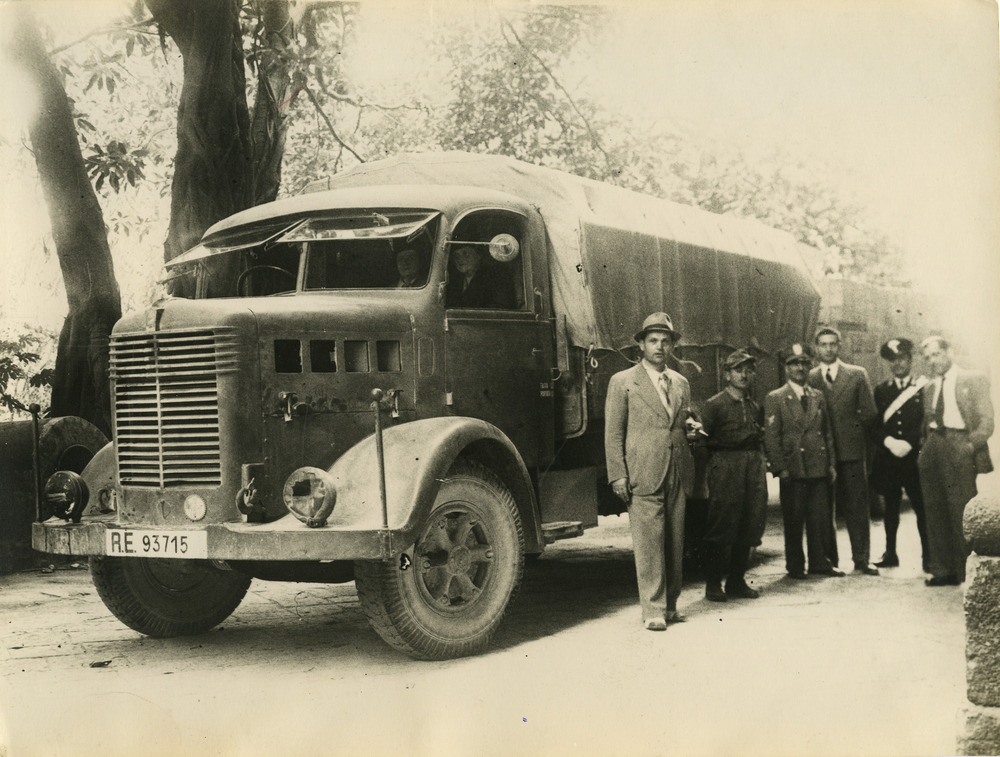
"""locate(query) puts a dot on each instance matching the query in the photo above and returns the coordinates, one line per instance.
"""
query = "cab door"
(499, 358)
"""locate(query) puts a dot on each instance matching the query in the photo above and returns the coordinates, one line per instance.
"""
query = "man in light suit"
(958, 421)
(798, 442)
(848, 394)
(647, 421)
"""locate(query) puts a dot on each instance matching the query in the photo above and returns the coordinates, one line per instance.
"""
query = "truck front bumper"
(283, 539)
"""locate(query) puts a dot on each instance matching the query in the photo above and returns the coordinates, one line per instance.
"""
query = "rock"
(982, 525)
(982, 731)
(982, 631)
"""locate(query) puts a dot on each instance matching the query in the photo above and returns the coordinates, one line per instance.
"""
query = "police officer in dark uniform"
(900, 415)
(737, 486)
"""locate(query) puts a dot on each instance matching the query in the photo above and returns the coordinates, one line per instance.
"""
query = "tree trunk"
(80, 385)
(213, 175)
(268, 122)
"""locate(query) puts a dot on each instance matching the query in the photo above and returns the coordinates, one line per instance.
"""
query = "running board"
(561, 529)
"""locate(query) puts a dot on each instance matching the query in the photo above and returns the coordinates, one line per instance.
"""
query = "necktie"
(939, 406)
(829, 376)
(663, 387)
(805, 402)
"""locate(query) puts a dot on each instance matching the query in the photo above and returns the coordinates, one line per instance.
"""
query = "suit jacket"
(852, 409)
(799, 441)
(485, 290)
(640, 441)
(972, 392)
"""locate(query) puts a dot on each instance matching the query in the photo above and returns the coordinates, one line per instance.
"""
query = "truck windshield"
(350, 250)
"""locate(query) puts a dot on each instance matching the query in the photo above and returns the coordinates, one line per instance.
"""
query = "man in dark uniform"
(799, 443)
(737, 484)
(898, 430)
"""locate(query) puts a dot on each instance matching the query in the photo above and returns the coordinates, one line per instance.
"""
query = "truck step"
(561, 529)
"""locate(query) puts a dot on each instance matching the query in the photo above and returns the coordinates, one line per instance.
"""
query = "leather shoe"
(942, 581)
(741, 591)
(714, 593)
(835, 572)
(675, 616)
(655, 624)
(798, 575)
(867, 568)
(889, 560)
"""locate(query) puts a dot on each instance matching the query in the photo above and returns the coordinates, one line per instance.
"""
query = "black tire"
(445, 596)
(163, 598)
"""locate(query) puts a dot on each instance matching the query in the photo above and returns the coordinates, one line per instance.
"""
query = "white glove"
(898, 447)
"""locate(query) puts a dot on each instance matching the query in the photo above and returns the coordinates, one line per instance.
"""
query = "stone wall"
(982, 628)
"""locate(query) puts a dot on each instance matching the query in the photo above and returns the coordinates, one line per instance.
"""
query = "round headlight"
(195, 507)
(310, 494)
(66, 494)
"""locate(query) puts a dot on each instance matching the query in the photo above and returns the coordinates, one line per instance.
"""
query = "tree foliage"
(223, 104)
(24, 370)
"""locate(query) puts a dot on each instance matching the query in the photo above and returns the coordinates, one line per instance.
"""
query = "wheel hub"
(454, 557)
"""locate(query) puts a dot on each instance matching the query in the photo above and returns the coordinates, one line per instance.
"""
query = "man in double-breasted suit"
(958, 421)
(898, 431)
(799, 445)
(848, 395)
(647, 420)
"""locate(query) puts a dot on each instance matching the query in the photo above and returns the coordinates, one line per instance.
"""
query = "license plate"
(123, 542)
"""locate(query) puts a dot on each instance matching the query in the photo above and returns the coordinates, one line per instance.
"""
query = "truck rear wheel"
(446, 595)
(162, 598)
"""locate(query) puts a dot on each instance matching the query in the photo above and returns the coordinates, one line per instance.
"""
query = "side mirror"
(504, 248)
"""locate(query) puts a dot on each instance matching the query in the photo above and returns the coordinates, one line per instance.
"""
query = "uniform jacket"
(799, 441)
(972, 392)
(639, 441)
(906, 423)
(852, 408)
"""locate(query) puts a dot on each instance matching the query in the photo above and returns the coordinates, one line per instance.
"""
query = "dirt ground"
(851, 666)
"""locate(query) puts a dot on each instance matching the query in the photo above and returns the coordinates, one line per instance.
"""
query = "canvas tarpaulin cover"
(615, 255)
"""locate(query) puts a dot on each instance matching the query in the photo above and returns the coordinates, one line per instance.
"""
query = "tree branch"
(136, 27)
(329, 125)
(572, 103)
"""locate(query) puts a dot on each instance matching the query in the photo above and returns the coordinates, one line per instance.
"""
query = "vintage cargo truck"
(322, 400)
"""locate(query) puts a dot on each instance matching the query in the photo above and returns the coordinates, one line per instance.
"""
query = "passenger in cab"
(472, 285)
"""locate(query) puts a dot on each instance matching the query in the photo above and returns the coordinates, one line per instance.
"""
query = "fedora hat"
(657, 322)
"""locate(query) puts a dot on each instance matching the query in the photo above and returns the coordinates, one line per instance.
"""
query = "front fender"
(99, 475)
(417, 456)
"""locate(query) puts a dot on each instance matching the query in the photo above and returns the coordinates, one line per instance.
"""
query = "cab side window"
(478, 278)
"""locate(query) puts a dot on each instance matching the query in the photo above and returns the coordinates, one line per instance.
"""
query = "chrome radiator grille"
(166, 406)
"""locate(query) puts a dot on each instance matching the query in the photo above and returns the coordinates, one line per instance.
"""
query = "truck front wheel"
(446, 595)
(162, 598)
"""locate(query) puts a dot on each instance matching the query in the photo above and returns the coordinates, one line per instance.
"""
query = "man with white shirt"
(958, 421)
(898, 433)
(647, 422)
(848, 394)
